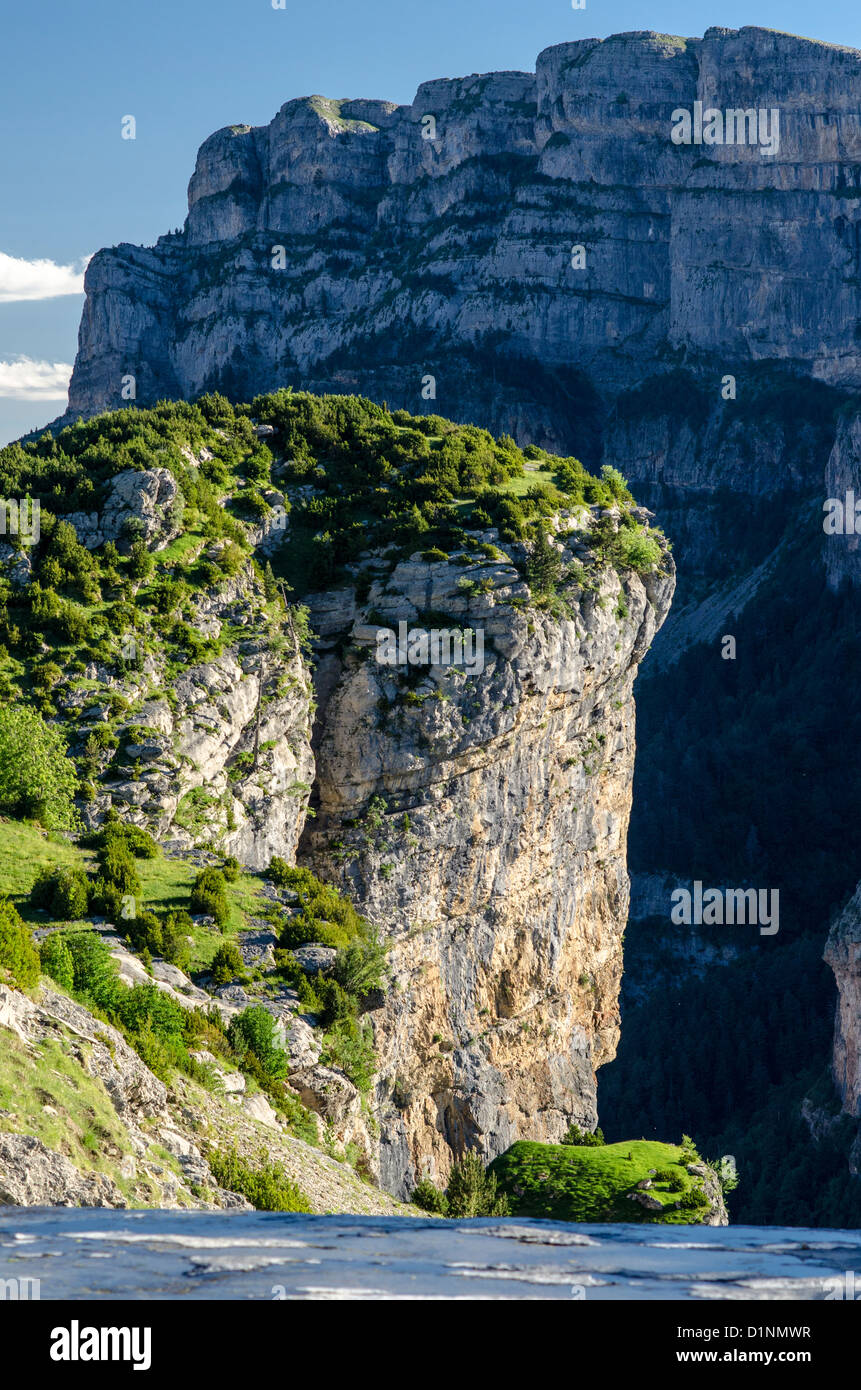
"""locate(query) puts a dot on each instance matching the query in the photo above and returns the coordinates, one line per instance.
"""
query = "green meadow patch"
(564, 1182)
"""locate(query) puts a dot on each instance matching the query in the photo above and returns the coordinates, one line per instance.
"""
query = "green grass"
(25, 849)
(166, 886)
(562, 1182)
(165, 883)
(180, 550)
(85, 1127)
(519, 487)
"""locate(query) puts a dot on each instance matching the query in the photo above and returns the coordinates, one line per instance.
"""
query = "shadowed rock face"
(843, 954)
(482, 822)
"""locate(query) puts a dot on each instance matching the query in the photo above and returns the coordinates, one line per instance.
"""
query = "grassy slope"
(80, 1122)
(25, 849)
(566, 1183)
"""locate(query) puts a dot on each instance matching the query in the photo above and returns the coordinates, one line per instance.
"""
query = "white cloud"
(27, 380)
(20, 279)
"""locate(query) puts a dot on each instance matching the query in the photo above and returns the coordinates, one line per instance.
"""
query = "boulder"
(328, 1092)
(32, 1175)
(140, 504)
(258, 1107)
(315, 957)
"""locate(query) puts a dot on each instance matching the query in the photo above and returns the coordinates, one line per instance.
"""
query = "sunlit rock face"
(481, 821)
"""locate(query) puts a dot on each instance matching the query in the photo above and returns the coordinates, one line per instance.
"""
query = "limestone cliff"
(493, 855)
(718, 252)
(473, 803)
(339, 248)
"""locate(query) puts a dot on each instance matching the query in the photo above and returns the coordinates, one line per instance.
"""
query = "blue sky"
(183, 68)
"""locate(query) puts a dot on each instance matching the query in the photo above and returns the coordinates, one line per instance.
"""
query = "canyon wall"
(481, 821)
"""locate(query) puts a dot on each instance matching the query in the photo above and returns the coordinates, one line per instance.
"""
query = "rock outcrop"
(481, 821)
(139, 505)
(187, 768)
(843, 954)
(89, 1125)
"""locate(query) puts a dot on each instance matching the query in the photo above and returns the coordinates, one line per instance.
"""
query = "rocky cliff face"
(481, 821)
(715, 251)
(700, 341)
(218, 750)
(843, 954)
(472, 800)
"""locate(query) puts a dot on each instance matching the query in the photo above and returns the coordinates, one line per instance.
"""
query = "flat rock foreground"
(98, 1254)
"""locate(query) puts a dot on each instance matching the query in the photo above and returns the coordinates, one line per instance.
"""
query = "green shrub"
(63, 892)
(472, 1191)
(209, 896)
(254, 1031)
(175, 947)
(106, 900)
(360, 967)
(137, 841)
(227, 963)
(146, 1007)
(543, 569)
(56, 960)
(144, 932)
(37, 779)
(635, 549)
(617, 483)
(691, 1200)
(325, 914)
(18, 955)
(349, 1045)
(335, 1002)
(117, 867)
(230, 869)
(95, 970)
(428, 1196)
(280, 872)
(583, 1138)
(265, 1186)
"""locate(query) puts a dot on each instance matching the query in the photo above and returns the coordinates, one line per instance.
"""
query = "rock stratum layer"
(466, 237)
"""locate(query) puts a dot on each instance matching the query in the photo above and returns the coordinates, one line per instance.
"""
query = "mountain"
(535, 253)
(375, 670)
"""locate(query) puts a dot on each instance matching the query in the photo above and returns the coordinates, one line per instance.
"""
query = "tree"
(472, 1191)
(18, 955)
(227, 963)
(37, 778)
(57, 960)
(543, 566)
(270, 583)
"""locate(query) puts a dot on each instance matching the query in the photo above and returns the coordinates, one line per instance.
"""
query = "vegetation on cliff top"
(567, 1182)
